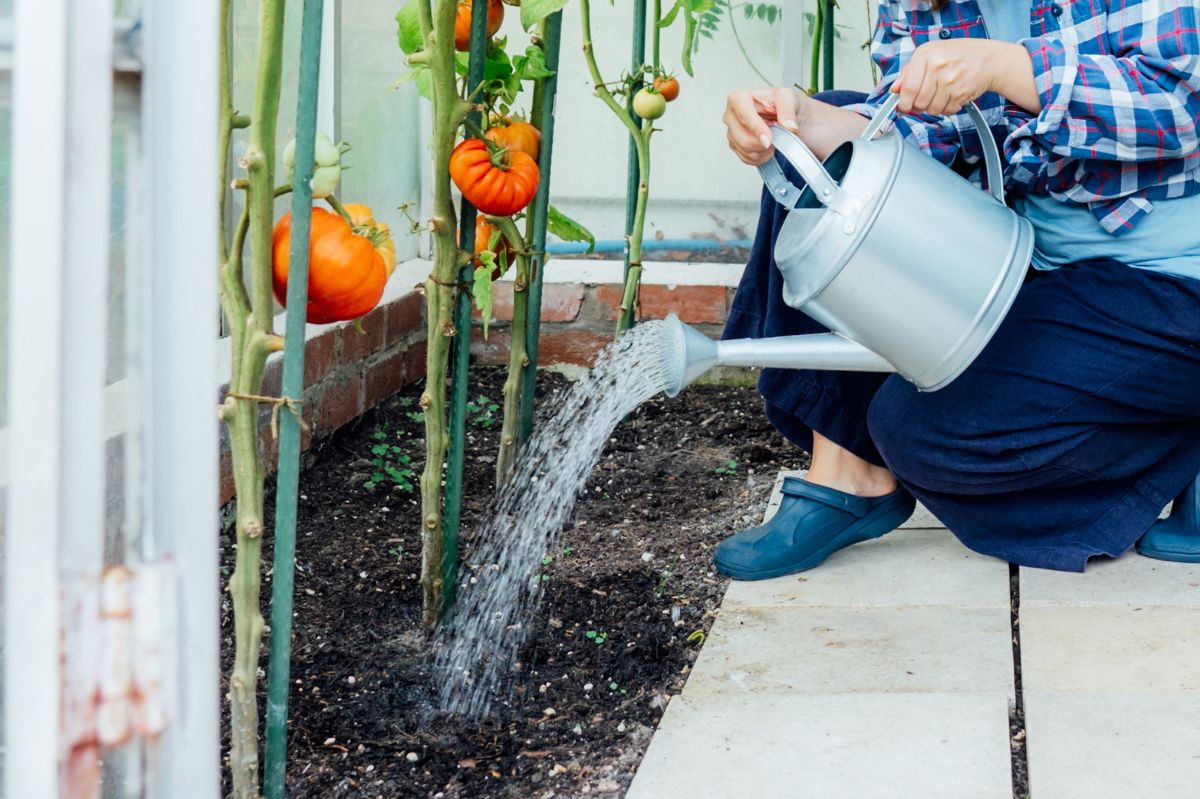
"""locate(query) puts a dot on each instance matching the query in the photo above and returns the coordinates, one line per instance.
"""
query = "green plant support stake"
(827, 45)
(633, 173)
(288, 475)
(541, 211)
(452, 511)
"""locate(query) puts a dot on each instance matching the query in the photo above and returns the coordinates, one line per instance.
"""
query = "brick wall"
(347, 372)
(578, 319)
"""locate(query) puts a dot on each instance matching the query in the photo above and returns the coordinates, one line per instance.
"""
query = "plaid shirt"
(1120, 87)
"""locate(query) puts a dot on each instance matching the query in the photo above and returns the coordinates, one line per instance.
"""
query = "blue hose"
(618, 245)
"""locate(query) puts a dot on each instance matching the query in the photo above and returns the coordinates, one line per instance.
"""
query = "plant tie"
(292, 404)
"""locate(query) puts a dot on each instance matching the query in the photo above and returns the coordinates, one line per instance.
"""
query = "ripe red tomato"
(498, 186)
(667, 87)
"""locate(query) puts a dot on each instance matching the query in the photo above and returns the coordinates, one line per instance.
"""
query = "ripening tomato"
(649, 104)
(347, 266)
(503, 253)
(667, 87)
(497, 184)
(462, 22)
(517, 135)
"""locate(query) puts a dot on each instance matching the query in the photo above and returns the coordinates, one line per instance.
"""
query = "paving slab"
(1111, 677)
(1111, 745)
(887, 672)
(906, 568)
(855, 650)
(849, 746)
(1130, 580)
(1115, 649)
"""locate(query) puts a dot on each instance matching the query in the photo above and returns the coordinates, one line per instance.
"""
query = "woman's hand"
(749, 115)
(943, 76)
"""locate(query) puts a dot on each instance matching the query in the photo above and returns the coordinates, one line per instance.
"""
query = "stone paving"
(888, 672)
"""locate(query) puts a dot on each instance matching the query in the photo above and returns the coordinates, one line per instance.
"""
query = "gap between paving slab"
(884, 673)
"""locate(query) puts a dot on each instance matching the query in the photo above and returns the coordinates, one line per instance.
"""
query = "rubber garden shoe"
(1176, 537)
(812, 523)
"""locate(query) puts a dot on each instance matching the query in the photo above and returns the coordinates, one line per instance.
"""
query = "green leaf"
(408, 28)
(669, 19)
(567, 229)
(481, 290)
(532, 65)
(377, 477)
(534, 11)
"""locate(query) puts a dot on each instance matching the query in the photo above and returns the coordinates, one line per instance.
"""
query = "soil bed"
(627, 600)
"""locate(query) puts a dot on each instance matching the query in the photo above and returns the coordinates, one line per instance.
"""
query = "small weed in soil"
(629, 599)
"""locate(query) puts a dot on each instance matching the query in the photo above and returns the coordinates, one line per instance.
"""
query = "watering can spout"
(689, 354)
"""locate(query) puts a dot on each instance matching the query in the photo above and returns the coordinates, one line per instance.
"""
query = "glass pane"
(5, 186)
(380, 123)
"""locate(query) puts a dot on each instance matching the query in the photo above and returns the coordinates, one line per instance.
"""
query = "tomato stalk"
(449, 112)
(641, 140)
(252, 339)
(517, 356)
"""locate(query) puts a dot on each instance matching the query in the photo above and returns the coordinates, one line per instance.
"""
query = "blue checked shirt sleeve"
(891, 47)
(1140, 104)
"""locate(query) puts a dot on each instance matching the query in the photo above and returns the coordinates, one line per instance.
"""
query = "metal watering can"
(910, 265)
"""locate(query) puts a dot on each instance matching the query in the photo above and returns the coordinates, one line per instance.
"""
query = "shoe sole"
(851, 535)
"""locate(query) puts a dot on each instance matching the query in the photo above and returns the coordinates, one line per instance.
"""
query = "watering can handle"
(827, 190)
(991, 154)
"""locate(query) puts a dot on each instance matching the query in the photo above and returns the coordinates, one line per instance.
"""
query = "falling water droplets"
(500, 586)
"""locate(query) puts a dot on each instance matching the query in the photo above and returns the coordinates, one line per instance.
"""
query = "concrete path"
(888, 672)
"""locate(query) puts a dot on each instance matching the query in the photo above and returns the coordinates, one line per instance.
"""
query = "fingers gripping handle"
(827, 191)
(991, 153)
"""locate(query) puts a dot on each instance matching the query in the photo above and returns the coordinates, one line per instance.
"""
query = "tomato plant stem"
(517, 357)
(814, 57)
(252, 339)
(449, 111)
(633, 278)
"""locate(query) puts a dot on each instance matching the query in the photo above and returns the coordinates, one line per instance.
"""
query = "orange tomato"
(347, 267)
(497, 185)
(667, 87)
(504, 255)
(517, 136)
(462, 22)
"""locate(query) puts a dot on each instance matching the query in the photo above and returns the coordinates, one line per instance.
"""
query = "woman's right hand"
(749, 115)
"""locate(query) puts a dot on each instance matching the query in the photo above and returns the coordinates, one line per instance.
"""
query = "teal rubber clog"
(1177, 537)
(812, 523)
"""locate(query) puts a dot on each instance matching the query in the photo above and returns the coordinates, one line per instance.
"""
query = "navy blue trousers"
(1064, 439)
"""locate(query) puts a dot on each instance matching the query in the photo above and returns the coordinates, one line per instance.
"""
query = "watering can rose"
(499, 181)
(348, 263)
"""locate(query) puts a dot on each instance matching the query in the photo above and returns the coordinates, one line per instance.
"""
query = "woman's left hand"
(943, 76)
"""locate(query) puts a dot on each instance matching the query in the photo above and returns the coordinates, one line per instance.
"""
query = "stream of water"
(500, 586)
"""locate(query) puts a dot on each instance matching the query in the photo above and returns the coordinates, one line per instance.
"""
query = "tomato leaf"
(532, 65)
(567, 229)
(669, 19)
(408, 28)
(534, 11)
(481, 289)
(420, 75)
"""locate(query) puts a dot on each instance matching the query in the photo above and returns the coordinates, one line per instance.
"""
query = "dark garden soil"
(628, 598)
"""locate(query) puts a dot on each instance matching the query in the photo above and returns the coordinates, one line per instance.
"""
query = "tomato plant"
(499, 183)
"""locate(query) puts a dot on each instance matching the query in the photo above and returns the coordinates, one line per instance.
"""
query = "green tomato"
(325, 153)
(649, 104)
(325, 180)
